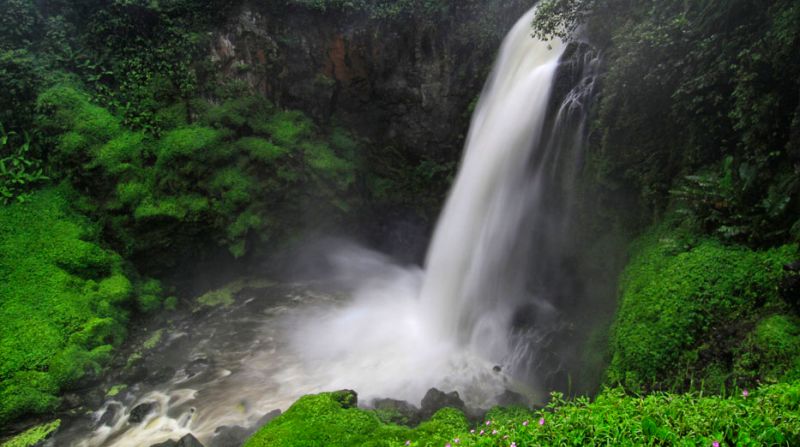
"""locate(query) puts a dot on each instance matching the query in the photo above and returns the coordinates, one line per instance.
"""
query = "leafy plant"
(19, 171)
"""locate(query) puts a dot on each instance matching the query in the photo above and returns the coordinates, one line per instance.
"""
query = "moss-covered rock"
(62, 304)
(685, 306)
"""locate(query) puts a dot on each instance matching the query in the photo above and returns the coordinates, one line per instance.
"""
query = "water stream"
(397, 330)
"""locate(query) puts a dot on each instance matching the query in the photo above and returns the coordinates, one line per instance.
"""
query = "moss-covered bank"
(697, 313)
(62, 304)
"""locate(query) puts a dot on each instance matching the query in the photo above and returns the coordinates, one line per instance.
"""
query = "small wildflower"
(488, 422)
(505, 436)
(525, 423)
(494, 432)
(541, 421)
(457, 440)
(745, 393)
(448, 445)
(472, 431)
(408, 442)
(715, 444)
(481, 433)
(513, 444)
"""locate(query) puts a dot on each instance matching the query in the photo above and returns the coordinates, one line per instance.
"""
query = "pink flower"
(513, 444)
(525, 423)
(457, 440)
(488, 422)
(541, 421)
(715, 444)
(408, 442)
(745, 393)
(494, 432)
(448, 445)
(481, 432)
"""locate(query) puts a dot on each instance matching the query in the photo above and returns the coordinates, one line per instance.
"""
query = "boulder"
(435, 400)
(141, 411)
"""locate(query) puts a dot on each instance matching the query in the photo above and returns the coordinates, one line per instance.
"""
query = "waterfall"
(470, 291)
(498, 287)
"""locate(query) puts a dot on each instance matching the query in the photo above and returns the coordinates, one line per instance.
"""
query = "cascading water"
(485, 298)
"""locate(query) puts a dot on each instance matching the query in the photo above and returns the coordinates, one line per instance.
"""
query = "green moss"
(772, 351)
(153, 340)
(61, 304)
(225, 296)
(324, 419)
(676, 295)
(33, 436)
(121, 153)
(116, 389)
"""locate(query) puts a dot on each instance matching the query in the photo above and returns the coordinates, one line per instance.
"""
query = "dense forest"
(157, 156)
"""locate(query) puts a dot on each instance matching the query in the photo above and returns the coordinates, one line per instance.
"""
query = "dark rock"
(435, 400)
(510, 398)
(226, 436)
(186, 441)
(141, 411)
(169, 443)
(346, 398)
(497, 368)
(267, 418)
(108, 416)
(70, 400)
(189, 441)
(397, 412)
(161, 376)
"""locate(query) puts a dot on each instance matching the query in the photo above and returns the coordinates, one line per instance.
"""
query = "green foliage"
(699, 99)
(685, 304)
(772, 351)
(331, 419)
(223, 180)
(768, 416)
(62, 306)
(18, 170)
(33, 436)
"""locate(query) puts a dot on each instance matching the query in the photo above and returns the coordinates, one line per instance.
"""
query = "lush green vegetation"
(686, 304)
(767, 416)
(332, 419)
(62, 305)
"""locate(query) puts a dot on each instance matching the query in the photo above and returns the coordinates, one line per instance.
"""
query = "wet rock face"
(435, 400)
(140, 412)
(405, 81)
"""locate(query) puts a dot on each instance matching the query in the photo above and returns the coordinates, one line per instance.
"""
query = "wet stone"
(226, 436)
(140, 412)
(108, 416)
(267, 418)
(186, 441)
(435, 400)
